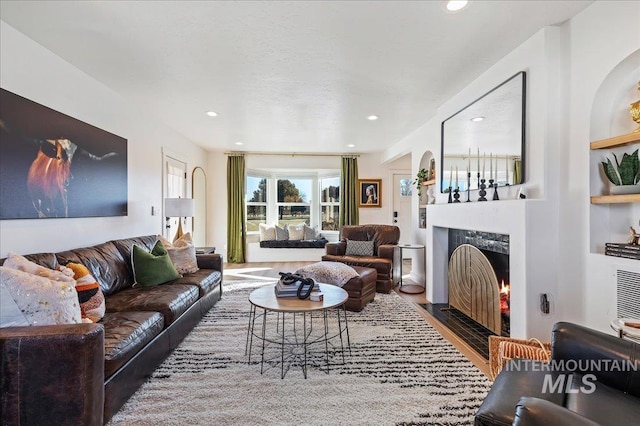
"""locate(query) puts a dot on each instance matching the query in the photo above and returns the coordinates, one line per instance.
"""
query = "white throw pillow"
(182, 253)
(311, 233)
(43, 301)
(21, 263)
(296, 232)
(267, 232)
(282, 233)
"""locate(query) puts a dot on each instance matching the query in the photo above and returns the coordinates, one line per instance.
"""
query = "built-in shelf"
(616, 141)
(428, 182)
(615, 199)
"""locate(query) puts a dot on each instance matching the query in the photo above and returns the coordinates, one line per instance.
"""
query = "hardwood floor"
(269, 270)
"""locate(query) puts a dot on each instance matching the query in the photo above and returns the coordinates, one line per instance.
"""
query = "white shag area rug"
(400, 371)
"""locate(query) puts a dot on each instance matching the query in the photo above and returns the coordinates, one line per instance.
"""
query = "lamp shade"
(179, 207)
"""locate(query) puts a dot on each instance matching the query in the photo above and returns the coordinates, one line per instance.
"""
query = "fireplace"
(479, 293)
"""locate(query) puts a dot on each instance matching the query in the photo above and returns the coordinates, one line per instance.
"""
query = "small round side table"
(409, 288)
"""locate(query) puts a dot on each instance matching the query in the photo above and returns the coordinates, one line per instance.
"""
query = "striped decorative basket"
(503, 349)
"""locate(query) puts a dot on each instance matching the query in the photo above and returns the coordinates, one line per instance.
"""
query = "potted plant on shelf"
(422, 176)
(625, 176)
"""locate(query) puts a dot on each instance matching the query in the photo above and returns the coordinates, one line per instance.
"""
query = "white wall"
(602, 37)
(31, 71)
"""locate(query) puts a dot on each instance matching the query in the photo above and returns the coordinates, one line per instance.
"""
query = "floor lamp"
(178, 207)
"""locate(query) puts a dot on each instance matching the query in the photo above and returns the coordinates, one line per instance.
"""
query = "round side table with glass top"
(410, 288)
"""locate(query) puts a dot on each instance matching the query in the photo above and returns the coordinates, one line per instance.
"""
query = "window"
(256, 202)
(292, 199)
(329, 203)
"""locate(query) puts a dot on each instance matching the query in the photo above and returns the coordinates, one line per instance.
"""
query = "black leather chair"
(604, 388)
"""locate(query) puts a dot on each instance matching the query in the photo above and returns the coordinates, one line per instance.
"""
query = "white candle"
(506, 166)
(469, 161)
(491, 165)
(484, 163)
(478, 170)
(456, 176)
(450, 176)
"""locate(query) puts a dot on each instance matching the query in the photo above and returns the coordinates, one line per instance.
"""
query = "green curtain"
(517, 171)
(236, 235)
(349, 192)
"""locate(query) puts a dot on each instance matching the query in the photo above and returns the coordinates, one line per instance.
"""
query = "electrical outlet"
(545, 304)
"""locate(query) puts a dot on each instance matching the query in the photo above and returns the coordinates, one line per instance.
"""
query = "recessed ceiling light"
(212, 113)
(350, 145)
(372, 117)
(476, 119)
(456, 5)
(239, 143)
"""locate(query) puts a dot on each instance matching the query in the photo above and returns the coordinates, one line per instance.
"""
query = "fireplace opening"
(479, 288)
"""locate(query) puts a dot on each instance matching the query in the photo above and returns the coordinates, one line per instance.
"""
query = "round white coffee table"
(289, 334)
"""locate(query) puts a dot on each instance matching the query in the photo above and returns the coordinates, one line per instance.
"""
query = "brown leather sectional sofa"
(385, 238)
(81, 374)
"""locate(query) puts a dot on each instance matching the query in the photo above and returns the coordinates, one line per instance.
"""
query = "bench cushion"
(294, 243)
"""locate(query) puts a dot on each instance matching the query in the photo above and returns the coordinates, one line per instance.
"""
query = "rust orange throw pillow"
(92, 305)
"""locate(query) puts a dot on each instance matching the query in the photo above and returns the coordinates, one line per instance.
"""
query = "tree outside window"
(330, 203)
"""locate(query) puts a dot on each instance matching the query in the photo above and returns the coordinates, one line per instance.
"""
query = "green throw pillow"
(153, 268)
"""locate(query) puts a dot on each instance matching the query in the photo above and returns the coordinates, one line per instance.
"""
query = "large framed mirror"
(485, 140)
(199, 188)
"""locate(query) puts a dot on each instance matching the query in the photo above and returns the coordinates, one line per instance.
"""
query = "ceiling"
(285, 76)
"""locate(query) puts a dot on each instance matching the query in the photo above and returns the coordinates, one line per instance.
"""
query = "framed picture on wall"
(370, 192)
(55, 166)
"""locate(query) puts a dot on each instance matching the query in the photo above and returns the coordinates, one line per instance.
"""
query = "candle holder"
(450, 199)
(495, 192)
(456, 195)
(490, 183)
(482, 191)
(468, 187)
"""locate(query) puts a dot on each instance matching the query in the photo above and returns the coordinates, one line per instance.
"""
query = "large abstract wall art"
(52, 165)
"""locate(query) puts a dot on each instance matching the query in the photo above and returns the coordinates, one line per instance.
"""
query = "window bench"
(286, 251)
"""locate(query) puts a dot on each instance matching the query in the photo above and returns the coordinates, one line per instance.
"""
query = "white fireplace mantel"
(532, 263)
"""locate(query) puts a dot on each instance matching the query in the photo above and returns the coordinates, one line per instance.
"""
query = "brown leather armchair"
(385, 238)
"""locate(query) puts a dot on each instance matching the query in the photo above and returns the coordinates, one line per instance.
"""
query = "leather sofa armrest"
(337, 248)
(52, 372)
(386, 251)
(580, 345)
(538, 412)
(210, 261)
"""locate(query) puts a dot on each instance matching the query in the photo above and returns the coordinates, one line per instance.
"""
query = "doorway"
(175, 187)
(402, 193)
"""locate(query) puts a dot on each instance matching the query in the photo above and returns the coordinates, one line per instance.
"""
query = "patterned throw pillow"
(296, 232)
(182, 253)
(42, 300)
(310, 233)
(329, 272)
(92, 305)
(282, 234)
(267, 232)
(150, 269)
(359, 248)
